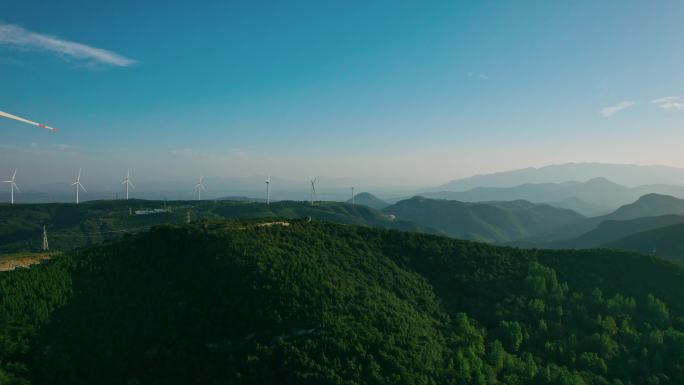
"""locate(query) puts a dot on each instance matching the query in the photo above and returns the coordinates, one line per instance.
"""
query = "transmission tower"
(46, 247)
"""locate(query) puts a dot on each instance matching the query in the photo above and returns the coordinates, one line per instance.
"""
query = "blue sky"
(417, 92)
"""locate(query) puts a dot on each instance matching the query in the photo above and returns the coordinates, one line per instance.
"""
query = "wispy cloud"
(612, 110)
(474, 75)
(669, 103)
(17, 36)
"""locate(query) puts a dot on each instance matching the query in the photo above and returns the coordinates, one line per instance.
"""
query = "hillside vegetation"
(666, 241)
(612, 230)
(319, 303)
(70, 226)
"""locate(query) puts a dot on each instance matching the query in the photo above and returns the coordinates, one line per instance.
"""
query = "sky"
(399, 92)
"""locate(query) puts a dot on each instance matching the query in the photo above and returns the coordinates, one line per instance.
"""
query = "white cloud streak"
(16, 36)
(478, 76)
(669, 103)
(612, 110)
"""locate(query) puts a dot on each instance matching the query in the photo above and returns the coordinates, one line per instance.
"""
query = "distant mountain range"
(650, 205)
(594, 197)
(486, 221)
(624, 174)
(525, 224)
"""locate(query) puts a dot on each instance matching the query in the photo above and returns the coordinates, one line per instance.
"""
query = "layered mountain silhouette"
(486, 221)
(594, 197)
(648, 212)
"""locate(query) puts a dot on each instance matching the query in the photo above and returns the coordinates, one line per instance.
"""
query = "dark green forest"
(70, 226)
(321, 303)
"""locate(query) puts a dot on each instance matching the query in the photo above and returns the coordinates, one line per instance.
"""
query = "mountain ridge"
(597, 196)
(624, 174)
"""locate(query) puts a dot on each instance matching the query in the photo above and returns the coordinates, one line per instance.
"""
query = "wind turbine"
(10, 116)
(268, 192)
(199, 187)
(78, 184)
(127, 182)
(313, 189)
(352, 200)
(12, 185)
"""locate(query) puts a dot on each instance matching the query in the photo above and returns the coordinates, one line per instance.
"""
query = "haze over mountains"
(589, 188)
(569, 214)
(651, 205)
(593, 197)
(624, 174)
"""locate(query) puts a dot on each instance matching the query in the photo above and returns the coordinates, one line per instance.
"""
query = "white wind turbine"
(268, 191)
(200, 187)
(127, 182)
(78, 184)
(12, 185)
(313, 189)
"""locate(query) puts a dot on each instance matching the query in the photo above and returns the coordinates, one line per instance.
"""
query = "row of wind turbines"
(77, 184)
(128, 184)
(199, 187)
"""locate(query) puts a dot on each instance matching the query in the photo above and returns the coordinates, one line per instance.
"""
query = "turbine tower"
(313, 189)
(127, 182)
(268, 192)
(13, 186)
(78, 184)
(199, 187)
(352, 196)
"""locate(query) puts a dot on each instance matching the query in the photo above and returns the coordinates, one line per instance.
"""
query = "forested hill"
(302, 302)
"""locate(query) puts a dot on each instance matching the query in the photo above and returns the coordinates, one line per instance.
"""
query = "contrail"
(10, 116)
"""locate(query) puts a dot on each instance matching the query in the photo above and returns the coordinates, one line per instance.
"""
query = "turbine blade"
(84, 190)
(131, 183)
(16, 187)
(10, 116)
(14, 174)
